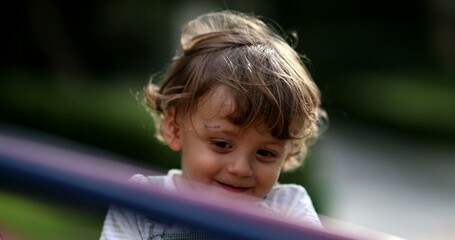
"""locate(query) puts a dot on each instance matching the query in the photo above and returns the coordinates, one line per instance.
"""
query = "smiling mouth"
(233, 189)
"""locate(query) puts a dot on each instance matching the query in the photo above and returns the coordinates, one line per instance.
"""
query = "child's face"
(218, 153)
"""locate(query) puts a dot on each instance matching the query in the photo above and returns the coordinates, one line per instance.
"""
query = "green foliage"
(110, 117)
(419, 101)
(39, 220)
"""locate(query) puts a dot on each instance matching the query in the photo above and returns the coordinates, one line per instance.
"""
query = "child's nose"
(240, 166)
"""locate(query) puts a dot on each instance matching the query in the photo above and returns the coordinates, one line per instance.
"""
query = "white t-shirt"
(290, 201)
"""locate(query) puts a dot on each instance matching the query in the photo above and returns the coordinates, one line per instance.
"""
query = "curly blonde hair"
(266, 76)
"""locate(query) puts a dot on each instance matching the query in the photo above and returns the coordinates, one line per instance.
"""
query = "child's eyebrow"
(212, 126)
(279, 143)
(221, 128)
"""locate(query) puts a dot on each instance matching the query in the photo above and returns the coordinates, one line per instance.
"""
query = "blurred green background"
(77, 69)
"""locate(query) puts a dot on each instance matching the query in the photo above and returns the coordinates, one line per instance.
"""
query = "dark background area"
(77, 69)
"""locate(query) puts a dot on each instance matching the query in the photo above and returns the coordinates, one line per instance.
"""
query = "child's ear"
(171, 130)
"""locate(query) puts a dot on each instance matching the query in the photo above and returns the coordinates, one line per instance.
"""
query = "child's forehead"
(218, 102)
(218, 110)
(230, 106)
(222, 124)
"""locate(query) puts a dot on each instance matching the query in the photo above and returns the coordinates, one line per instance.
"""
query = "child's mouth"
(231, 188)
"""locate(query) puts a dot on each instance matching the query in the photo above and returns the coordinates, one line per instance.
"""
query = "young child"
(241, 107)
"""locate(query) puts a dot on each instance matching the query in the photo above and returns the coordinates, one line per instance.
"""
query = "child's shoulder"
(158, 181)
(289, 194)
(142, 179)
(164, 181)
(292, 201)
(289, 188)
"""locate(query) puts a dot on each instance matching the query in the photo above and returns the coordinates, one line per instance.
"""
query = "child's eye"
(265, 153)
(223, 145)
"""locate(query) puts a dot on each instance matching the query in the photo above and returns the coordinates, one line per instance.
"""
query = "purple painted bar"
(23, 160)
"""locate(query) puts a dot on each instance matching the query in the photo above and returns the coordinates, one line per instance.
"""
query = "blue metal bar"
(226, 222)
